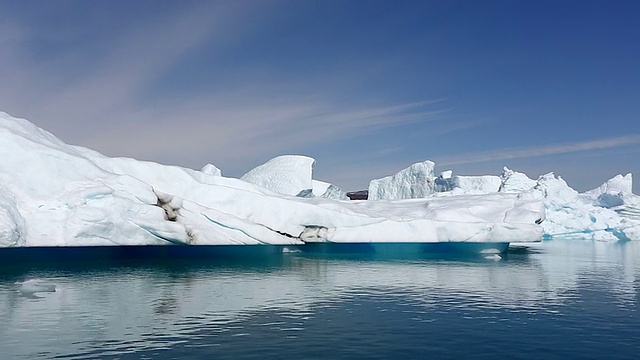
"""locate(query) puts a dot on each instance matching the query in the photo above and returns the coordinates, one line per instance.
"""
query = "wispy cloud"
(107, 105)
(111, 84)
(237, 134)
(538, 151)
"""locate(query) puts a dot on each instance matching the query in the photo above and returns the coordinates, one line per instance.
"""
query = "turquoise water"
(554, 300)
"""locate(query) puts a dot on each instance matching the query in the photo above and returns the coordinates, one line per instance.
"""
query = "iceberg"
(609, 212)
(55, 194)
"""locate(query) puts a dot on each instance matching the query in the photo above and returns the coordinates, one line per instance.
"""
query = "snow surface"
(287, 174)
(54, 194)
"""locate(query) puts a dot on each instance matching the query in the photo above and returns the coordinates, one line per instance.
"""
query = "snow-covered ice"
(54, 194)
(416, 181)
(287, 174)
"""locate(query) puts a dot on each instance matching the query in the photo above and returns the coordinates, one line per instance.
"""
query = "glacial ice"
(416, 181)
(54, 194)
(609, 212)
(287, 174)
(211, 169)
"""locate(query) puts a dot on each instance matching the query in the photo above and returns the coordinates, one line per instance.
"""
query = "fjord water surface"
(555, 300)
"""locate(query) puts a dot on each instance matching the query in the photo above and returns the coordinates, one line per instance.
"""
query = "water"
(555, 300)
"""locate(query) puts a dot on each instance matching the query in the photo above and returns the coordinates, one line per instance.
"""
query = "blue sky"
(365, 87)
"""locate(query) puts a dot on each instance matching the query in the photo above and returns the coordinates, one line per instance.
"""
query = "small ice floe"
(33, 286)
(290, 250)
(494, 257)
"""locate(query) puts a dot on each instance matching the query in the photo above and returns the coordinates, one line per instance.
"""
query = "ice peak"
(285, 174)
(416, 181)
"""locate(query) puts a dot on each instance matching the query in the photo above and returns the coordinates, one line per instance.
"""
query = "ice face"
(483, 184)
(327, 190)
(12, 225)
(414, 182)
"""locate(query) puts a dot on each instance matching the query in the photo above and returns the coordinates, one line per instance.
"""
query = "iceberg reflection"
(155, 305)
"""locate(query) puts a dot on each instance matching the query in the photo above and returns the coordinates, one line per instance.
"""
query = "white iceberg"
(54, 194)
(610, 212)
(583, 216)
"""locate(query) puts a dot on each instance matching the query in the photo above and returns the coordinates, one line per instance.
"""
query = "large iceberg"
(609, 212)
(54, 194)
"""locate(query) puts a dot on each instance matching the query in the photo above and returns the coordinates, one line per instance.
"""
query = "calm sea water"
(555, 300)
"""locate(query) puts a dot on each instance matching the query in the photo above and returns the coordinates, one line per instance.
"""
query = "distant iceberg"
(609, 212)
(54, 194)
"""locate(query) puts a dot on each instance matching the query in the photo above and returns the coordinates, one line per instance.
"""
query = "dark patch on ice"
(285, 234)
(358, 195)
(306, 193)
(170, 213)
(313, 233)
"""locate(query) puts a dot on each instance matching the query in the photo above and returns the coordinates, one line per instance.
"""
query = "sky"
(367, 88)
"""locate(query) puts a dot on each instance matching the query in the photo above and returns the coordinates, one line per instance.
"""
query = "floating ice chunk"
(33, 286)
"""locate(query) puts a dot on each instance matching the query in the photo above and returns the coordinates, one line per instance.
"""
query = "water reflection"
(119, 309)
